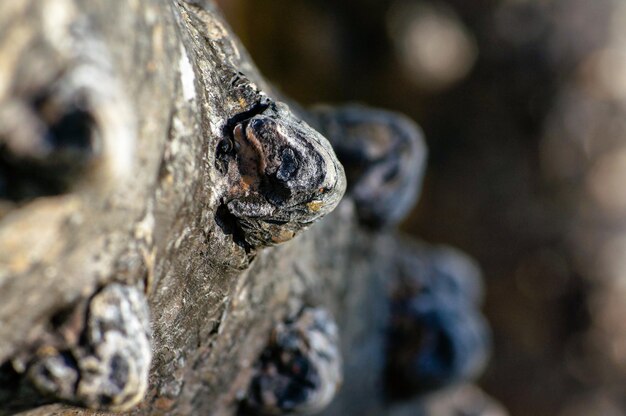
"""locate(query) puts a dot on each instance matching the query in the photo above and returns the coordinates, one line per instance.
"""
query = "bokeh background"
(523, 104)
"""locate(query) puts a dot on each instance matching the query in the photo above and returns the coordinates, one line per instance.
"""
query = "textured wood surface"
(162, 84)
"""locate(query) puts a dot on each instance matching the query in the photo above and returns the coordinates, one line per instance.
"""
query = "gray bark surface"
(143, 213)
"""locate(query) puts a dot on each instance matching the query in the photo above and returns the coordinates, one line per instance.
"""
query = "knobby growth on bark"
(173, 237)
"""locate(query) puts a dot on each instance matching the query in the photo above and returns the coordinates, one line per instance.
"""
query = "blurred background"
(523, 104)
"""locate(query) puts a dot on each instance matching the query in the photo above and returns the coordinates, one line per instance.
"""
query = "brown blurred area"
(523, 104)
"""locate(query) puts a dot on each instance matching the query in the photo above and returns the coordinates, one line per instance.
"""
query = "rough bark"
(161, 84)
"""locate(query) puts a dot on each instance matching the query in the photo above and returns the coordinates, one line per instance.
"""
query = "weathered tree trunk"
(163, 190)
